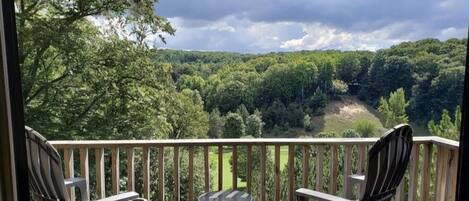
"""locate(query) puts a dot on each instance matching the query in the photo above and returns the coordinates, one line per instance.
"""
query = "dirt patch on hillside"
(347, 108)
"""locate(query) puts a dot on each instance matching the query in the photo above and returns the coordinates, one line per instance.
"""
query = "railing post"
(84, 170)
(161, 179)
(220, 167)
(130, 169)
(427, 160)
(441, 173)
(263, 171)
(176, 174)
(115, 170)
(319, 167)
(69, 170)
(277, 173)
(413, 172)
(334, 165)
(291, 172)
(305, 178)
(146, 172)
(234, 166)
(452, 176)
(191, 173)
(249, 169)
(100, 188)
(347, 171)
(206, 170)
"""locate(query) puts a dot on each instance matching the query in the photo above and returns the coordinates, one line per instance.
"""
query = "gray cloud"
(280, 25)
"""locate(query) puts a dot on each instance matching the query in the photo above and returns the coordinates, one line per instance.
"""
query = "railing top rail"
(243, 141)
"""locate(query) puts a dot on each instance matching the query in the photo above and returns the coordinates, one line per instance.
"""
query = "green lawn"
(227, 175)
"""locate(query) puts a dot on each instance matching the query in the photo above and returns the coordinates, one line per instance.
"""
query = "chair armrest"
(123, 197)
(81, 184)
(352, 181)
(304, 194)
(357, 178)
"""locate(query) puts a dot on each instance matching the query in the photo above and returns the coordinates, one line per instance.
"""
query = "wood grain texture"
(334, 174)
(277, 173)
(84, 168)
(319, 167)
(413, 173)
(161, 180)
(130, 169)
(249, 169)
(115, 170)
(425, 183)
(291, 173)
(191, 173)
(146, 172)
(206, 170)
(305, 176)
(69, 170)
(176, 174)
(263, 173)
(100, 174)
(234, 167)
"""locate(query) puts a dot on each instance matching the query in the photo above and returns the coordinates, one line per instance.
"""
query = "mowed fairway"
(227, 175)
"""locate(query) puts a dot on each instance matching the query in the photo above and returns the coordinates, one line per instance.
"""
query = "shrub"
(365, 128)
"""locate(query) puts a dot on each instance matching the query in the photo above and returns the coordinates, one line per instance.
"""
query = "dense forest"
(88, 80)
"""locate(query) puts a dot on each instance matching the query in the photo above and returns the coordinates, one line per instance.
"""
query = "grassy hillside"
(341, 115)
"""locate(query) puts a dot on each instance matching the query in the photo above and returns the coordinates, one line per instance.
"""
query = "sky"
(260, 26)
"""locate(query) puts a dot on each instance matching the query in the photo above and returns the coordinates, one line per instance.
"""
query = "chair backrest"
(46, 178)
(387, 163)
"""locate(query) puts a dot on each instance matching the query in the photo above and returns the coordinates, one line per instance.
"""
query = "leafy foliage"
(394, 108)
(447, 127)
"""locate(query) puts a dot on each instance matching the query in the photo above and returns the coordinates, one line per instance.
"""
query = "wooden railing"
(418, 184)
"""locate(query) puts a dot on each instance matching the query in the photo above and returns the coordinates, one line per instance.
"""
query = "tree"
(394, 109)
(216, 124)
(275, 114)
(254, 126)
(234, 126)
(348, 68)
(316, 103)
(350, 133)
(243, 112)
(294, 115)
(307, 124)
(447, 127)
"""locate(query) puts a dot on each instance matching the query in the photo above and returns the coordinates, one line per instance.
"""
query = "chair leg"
(83, 191)
(299, 198)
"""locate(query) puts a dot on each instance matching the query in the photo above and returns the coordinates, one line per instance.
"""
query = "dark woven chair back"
(387, 163)
(46, 178)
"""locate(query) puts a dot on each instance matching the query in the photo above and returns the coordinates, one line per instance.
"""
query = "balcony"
(431, 174)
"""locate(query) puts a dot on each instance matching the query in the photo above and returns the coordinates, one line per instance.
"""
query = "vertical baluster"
(249, 169)
(277, 173)
(234, 166)
(206, 170)
(115, 170)
(361, 165)
(69, 170)
(413, 172)
(427, 159)
(319, 167)
(347, 169)
(452, 176)
(442, 167)
(191, 173)
(146, 172)
(161, 173)
(334, 165)
(263, 171)
(130, 169)
(84, 169)
(176, 175)
(220, 168)
(305, 166)
(100, 188)
(291, 172)
(400, 191)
